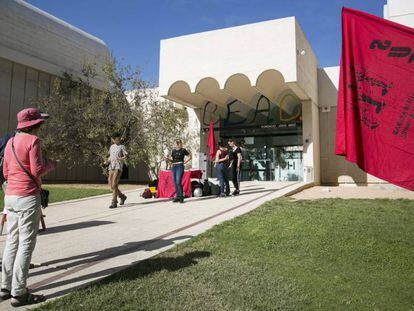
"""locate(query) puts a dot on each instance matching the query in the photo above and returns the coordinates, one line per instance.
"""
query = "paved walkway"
(85, 241)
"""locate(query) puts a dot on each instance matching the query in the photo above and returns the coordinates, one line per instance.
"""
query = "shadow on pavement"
(192, 199)
(75, 226)
(259, 190)
(108, 253)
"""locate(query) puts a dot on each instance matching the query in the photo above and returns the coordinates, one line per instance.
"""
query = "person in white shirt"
(115, 162)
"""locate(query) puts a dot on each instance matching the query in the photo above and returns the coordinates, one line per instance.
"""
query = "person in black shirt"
(177, 159)
(235, 164)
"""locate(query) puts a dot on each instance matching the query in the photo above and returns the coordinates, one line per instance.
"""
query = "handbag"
(44, 194)
(147, 194)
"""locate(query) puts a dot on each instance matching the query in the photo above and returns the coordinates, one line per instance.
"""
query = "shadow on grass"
(133, 271)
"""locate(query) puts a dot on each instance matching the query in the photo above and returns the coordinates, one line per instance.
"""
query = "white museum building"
(261, 85)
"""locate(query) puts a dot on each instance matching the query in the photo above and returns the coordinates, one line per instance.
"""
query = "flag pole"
(211, 145)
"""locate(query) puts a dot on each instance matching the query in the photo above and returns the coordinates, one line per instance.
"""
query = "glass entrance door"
(272, 164)
(257, 164)
(288, 164)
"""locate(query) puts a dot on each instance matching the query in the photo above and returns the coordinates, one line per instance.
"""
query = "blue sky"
(132, 29)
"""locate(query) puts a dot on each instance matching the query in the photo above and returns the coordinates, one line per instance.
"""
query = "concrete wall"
(306, 68)
(19, 86)
(34, 38)
(400, 11)
(35, 47)
(224, 52)
(307, 87)
(334, 169)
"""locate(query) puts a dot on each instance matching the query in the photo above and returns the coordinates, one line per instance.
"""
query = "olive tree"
(165, 122)
(83, 118)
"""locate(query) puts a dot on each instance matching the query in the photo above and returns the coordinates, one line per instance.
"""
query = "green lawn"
(58, 194)
(286, 255)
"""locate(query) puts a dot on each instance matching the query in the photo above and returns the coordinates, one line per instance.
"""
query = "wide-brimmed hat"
(29, 117)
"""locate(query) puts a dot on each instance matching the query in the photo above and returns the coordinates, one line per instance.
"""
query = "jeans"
(177, 173)
(223, 177)
(23, 216)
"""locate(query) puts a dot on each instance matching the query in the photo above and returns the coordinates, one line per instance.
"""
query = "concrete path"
(379, 191)
(85, 241)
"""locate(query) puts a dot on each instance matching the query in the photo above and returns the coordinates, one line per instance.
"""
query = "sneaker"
(113, 205)
(175, 200)
(26, 299)
(5, 294)
(236, 192)
(122, 199)
(221, 195)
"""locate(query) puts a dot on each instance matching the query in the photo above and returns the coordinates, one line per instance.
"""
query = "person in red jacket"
(22, 204)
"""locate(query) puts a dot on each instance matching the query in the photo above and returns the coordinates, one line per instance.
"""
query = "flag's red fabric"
(211, 141)
(375, 127)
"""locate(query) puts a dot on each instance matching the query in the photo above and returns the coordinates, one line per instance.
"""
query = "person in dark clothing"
(221, 164)
(235, 164)
(3, 142)
(178, 161)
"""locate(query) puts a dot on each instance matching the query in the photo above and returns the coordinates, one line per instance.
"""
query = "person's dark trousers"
(177, 172)
(223, 178)
(235, 178)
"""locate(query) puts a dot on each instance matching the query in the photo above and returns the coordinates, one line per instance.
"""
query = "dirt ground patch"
(355, 192)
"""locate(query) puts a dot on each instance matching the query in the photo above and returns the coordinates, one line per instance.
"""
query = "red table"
(196, 174)
(166, 185)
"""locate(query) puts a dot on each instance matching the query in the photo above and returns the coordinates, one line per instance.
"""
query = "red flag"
(374, 127)
(211, 141)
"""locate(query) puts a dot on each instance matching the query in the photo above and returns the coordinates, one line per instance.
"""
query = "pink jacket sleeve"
(37, 167)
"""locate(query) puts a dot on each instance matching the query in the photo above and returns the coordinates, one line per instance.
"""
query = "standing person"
(236, 160)
(3, 143)
(22, 158)
(222, 164)
(117, 157)
(178, 161)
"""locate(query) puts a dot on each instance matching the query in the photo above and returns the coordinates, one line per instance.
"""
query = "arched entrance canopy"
(269, 83)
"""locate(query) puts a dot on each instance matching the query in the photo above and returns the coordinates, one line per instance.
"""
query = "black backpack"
(3, 143)
(206, 188)
(215, 189)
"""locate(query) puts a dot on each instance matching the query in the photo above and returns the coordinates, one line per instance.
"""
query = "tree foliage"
(165, 123)
(83, 118)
